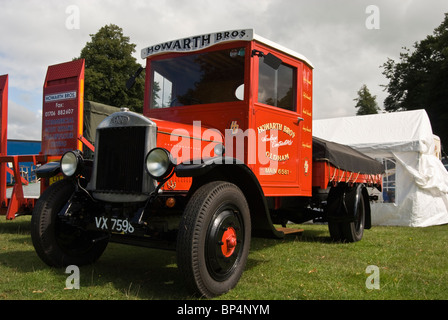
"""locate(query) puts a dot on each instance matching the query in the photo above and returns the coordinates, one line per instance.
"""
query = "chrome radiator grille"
(120, 157)
(122, 141)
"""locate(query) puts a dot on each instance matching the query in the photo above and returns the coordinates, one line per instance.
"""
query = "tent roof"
(397, 131)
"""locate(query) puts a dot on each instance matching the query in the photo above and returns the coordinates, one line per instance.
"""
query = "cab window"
(198, 78)
(277, 87)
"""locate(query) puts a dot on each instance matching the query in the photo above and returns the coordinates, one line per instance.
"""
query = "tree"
(420, 80)
(108, 65)
(366, 103)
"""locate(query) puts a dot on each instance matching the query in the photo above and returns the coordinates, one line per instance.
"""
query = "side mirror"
(131, 81)
(271, 60)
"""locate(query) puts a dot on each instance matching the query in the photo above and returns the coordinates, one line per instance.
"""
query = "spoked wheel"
(347, 210)
(57, 242)
(214, 239)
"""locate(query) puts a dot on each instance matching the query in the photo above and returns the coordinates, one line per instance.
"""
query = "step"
(290, 230)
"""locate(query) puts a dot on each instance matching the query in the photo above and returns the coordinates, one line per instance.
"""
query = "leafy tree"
(420, 80)
(366, 103)
(108, 65)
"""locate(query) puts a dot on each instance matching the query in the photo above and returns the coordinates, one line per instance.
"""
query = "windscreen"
(199, 78)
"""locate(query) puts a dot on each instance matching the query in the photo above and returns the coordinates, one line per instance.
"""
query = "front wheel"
(214, 239)
(57, 242)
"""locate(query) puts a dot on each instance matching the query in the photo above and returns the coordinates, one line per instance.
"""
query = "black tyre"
(354, 230)
(348, 211)
(214, 239)
(56, 242)
(334, 210)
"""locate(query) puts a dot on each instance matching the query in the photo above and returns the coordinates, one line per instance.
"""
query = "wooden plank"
(290, 230)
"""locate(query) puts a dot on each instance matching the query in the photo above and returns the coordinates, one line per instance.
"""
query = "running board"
(289, 230)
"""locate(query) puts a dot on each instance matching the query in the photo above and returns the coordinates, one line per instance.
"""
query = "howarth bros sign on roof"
(198, 42)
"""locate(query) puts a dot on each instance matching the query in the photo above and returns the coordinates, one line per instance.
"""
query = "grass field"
(412, 263)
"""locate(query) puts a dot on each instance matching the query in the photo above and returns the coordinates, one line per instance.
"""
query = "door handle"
(299, 119)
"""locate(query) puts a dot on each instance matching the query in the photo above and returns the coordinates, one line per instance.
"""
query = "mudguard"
(236, 172)
(48, 170)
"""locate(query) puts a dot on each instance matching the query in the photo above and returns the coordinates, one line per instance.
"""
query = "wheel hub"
(223, 248)
(229, 241)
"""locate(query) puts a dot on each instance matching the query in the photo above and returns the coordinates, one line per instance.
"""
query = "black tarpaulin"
(94, 113)
(344, 157)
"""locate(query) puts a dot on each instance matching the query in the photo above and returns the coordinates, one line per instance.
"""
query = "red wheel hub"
(228, 242)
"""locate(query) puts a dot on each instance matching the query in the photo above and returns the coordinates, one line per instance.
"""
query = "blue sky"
(337, 36)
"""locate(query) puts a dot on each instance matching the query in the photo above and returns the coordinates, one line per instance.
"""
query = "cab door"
(277, 119)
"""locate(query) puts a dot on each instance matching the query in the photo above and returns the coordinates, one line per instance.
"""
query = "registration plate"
(114, 224)
(56, 178)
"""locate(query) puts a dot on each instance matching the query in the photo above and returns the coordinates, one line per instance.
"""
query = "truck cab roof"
(203, 41)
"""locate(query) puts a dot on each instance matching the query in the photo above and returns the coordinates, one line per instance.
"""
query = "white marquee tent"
(415, 183)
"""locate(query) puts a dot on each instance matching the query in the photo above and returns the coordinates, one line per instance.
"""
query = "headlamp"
(159, 163)
(71, 163)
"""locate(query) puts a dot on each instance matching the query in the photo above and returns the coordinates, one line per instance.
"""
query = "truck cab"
(256, 93)
(222, 152)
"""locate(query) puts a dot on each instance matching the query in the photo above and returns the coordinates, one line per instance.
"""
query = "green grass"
(412, 263)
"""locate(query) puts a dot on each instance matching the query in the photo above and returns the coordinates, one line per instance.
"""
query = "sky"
(346, 40)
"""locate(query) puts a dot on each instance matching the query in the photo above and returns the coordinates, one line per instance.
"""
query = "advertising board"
(62, 112)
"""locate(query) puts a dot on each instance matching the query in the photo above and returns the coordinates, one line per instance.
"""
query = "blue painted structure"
(21, 147)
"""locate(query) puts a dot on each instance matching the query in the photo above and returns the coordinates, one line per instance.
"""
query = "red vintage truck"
(224, 151)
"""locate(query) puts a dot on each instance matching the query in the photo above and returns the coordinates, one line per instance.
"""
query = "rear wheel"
(354, 230)
(57, 242)
(214, 239)
(347, 212)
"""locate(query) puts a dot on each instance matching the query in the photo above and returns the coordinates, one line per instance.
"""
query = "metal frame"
(66, 76)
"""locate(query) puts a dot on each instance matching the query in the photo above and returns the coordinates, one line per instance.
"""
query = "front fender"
(52, 169)
(195, 169)
(48, 170)
(234, 171)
